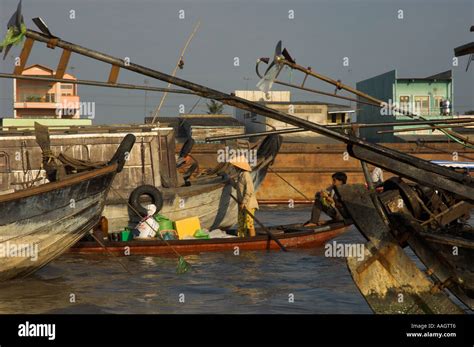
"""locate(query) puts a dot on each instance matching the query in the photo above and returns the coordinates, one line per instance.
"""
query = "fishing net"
(13, 37)
(183, 266)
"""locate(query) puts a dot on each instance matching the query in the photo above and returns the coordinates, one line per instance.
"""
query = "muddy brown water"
(252, 282)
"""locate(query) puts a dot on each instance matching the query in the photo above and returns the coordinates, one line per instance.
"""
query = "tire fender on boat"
(120, 156)
(148, 190)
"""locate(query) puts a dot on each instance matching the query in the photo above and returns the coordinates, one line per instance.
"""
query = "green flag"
(13, 37)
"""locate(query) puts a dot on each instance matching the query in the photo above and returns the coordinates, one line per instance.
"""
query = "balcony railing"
(37, 98)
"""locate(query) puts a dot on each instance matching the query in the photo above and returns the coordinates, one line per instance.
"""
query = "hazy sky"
(321, 34)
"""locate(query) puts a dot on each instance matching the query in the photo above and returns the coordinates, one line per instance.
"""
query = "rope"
(183, 265)
(300, 192)
(422, 144)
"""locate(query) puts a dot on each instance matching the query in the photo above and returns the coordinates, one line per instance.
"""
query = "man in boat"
(186, 164)
(246, 195)
(326, 201)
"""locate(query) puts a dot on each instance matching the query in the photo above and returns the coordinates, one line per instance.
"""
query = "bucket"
(164, 222)
(127, 235)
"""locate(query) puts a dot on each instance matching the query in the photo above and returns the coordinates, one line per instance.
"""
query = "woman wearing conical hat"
(246, 196)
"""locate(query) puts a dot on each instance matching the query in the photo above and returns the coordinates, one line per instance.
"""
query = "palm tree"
(214, 107)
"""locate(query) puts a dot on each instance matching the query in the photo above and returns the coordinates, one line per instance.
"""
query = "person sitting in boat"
(246, 195)
(327, 202)
(148, 226)
(186, 164)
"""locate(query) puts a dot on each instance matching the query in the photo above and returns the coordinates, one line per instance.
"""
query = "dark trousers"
(319, 207)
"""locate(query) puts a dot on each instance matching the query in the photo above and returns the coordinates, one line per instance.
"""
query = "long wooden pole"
(340, 126)
(366, 96)
(267, 231)
(181, 56)
(247, 105)
(432, 127)
(98, 84)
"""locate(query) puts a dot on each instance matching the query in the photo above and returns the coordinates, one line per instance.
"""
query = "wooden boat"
(437, 239)
(40, 223)
(291, 236)
(151, 163)
(208, 196)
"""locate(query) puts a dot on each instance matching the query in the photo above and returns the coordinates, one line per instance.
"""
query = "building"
(317, 112)
(49, 103)
(430, 97)
(201, 126)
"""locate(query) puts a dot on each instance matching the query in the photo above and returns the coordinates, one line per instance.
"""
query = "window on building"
(437, 101)
(336, 118)
(422, 104)
(50, 97)
(404, 103)
(67, 89)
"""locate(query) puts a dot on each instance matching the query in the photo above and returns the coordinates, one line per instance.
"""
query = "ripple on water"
(253, 282)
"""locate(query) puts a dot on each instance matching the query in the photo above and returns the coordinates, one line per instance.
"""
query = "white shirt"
(377, 175)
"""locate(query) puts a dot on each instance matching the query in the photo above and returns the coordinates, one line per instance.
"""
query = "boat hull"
(39, 224)
(295, 239)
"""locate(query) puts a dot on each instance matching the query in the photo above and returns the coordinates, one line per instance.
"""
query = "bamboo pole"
(264, 228)
(340, 126)
(181, 56)
(97, 83)
(432, 127)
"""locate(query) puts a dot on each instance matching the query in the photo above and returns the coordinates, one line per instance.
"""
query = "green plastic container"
(201, 234)
(126, 235)
(164, 222)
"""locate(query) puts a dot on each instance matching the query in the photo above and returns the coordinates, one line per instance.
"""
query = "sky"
(320, 34)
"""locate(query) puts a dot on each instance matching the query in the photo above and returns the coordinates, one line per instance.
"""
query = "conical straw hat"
(241, 162)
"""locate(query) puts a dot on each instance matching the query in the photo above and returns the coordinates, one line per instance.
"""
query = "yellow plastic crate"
(187, 227)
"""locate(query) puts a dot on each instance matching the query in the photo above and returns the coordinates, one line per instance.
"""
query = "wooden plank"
(114, 72)
(25, 53)
(155, 161)
(71, 180)
(62, 66)
(452, 213)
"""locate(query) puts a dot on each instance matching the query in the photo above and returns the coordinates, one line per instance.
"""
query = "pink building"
(42, 99)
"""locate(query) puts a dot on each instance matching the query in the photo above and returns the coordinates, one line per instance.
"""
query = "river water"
(299, 281)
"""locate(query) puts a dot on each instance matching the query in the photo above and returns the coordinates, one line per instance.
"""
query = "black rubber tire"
(149, 190)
